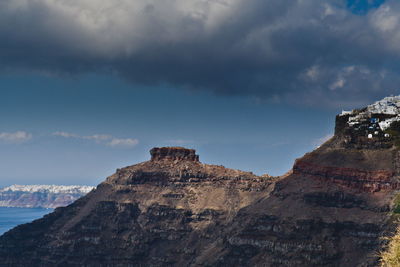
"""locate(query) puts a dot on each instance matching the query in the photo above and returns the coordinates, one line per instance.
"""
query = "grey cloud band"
(300, 51)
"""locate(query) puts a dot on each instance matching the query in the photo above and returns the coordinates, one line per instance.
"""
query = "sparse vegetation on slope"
(391, 257)
(396, 209)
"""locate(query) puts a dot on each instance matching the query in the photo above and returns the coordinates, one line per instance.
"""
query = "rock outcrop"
(332, 210)
(173, 153)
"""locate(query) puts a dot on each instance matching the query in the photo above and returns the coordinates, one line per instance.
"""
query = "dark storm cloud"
(306, 51)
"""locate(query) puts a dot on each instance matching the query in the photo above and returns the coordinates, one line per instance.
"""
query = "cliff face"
(332, 210)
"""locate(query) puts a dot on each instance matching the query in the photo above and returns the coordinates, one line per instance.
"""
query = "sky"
(90, 86)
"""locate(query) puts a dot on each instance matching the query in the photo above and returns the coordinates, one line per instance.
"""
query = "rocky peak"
(173, 153)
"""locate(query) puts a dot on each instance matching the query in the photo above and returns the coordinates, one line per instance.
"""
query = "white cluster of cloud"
(108, 140)
(284, 50)
(127, 142)
(15, 137)
(19, 137)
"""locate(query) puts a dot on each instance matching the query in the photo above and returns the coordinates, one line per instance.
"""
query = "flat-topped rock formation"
(173, 153)
(179, 165)
(332, 209)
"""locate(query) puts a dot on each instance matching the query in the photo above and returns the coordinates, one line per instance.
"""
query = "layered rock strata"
(370, 181)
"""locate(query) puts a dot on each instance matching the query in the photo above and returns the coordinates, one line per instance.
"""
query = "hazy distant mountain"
(45, 196)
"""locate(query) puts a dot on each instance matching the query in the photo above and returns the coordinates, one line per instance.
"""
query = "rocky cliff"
(332, 210)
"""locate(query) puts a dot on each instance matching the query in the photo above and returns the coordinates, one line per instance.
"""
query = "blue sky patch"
(361, 7)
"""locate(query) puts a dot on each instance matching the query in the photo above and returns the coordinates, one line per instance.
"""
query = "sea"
(11, 217)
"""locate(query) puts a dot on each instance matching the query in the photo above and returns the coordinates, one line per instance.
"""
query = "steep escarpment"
(370, 171)
(332, 210)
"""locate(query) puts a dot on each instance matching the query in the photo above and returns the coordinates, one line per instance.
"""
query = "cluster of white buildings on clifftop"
(55, 189)
(389, 106)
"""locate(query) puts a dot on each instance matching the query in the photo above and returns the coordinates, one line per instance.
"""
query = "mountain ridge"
(333, 209)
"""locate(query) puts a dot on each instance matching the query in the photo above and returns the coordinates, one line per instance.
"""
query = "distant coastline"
(41, 196)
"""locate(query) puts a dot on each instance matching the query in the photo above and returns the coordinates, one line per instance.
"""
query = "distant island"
(41, 196)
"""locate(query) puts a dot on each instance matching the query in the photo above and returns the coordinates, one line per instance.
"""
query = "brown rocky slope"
(332, 210)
